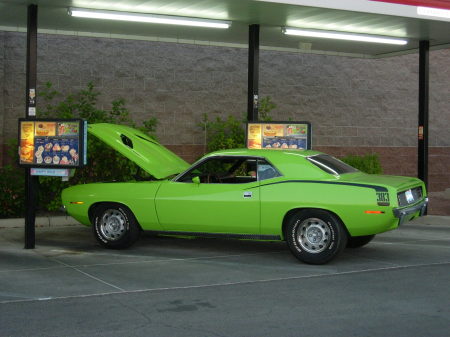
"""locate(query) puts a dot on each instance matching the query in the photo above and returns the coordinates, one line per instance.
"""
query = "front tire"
(359, 241)
(115, 226)
(315, 236)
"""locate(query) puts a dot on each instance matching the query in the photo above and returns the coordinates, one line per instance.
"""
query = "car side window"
(223, 170)
(266, 170)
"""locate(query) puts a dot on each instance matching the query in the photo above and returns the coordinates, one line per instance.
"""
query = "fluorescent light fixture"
(150, 18)
(427, 11)
(344, 36)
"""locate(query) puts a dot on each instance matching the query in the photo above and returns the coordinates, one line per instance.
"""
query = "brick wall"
(355, 105)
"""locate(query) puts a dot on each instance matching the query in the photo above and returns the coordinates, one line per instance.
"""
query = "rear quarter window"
(331, 165)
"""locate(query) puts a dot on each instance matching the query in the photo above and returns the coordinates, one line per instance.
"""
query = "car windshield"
(331, 165)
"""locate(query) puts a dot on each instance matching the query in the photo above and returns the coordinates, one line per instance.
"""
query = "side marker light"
(77, 202)
(374, 212)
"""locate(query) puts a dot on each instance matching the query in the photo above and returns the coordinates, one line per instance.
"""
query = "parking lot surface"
(398, 285)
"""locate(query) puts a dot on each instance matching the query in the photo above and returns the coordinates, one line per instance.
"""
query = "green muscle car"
(313, 201)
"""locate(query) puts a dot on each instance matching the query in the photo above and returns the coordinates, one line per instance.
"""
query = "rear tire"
(359, 241)
(115, 226)
(315, 236)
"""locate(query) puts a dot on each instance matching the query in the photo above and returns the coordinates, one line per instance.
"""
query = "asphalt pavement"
(398, 285)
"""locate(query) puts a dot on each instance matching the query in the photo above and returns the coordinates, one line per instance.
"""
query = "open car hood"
(147, 153)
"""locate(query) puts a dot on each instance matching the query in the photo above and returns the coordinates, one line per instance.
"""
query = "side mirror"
(196, 180)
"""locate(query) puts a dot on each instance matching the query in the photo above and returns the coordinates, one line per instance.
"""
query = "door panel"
(209, 208)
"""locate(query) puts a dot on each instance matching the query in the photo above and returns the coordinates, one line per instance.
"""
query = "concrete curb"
(55, 221)
(46, 221)
(432, 220)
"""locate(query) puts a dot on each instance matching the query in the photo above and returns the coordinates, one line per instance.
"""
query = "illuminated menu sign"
(279, 135)
(52, 143)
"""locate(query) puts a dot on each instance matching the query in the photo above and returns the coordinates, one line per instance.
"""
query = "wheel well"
(292, 211)
(93, 208)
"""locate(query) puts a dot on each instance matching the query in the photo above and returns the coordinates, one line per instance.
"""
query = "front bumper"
(404, 213)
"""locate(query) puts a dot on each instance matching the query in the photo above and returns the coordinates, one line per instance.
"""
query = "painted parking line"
(227, 284)
(412, 243)
(30, 269)
(181, 259)
(89, 275)
(415, 243)
(140, 261)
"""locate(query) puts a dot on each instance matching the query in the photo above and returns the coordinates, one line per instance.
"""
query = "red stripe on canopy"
(441, 4)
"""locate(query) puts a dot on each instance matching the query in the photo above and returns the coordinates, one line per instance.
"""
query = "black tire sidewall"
(132, 230)
(338, 237)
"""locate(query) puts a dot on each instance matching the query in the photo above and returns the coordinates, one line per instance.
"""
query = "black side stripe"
(376, 188)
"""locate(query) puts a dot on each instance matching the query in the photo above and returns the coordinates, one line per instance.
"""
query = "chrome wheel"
(115, 226)
(112, 224)
(313, 235)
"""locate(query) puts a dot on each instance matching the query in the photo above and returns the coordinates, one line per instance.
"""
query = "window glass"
(331, 165)
(266, 170)
(223, 170)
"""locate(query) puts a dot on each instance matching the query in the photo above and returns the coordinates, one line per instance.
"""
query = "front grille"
(408, 197)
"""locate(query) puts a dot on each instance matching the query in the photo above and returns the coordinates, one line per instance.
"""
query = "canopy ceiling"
(358, 16)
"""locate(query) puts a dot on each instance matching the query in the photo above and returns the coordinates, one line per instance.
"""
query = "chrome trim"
(322, 165)
(314, 235)
(219, 235)
(404, 212)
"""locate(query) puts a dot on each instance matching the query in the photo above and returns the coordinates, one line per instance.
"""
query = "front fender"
(139, 197)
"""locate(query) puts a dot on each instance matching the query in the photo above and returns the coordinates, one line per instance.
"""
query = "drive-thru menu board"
(52, 143)
(279, 135)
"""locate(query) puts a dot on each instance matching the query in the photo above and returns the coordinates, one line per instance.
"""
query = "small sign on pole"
(52, 143)
(279, 135)
(50, 172)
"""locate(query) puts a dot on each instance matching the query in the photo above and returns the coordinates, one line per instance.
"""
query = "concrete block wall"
(353, 102)
(356, 105)
(361, 106)
(2, 81)
(13, 93)
(174, 82)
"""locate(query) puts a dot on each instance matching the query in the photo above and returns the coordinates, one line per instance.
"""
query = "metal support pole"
(422, 167)
(30, 113)
(253, 73)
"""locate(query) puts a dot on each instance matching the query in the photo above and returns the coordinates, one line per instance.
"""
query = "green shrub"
(229, 133)
(369, 163)
(223, 134)
(104, 164)
(265, 107)
(12, 192)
